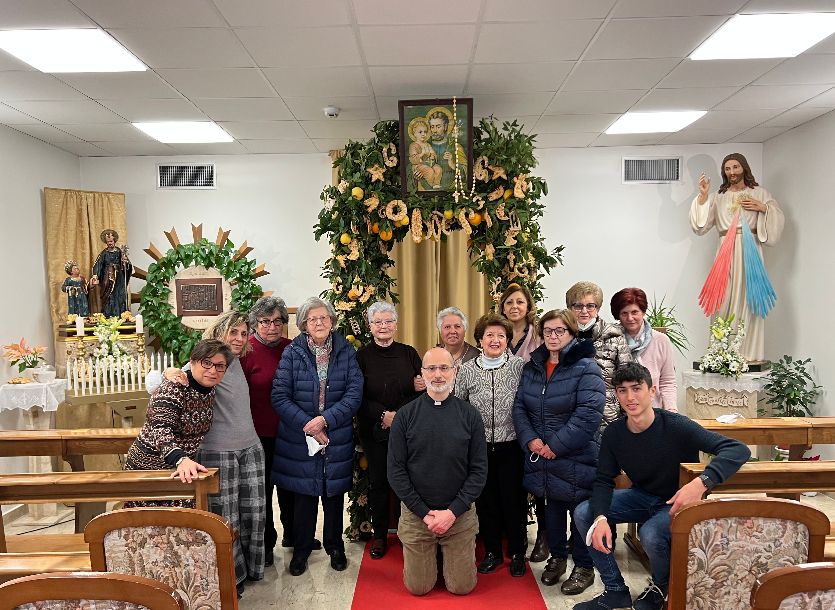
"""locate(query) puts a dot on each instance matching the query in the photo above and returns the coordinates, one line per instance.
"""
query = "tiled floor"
(321, 587)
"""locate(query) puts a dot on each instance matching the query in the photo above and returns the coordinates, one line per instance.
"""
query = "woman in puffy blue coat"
(557, 413)
(317, 390)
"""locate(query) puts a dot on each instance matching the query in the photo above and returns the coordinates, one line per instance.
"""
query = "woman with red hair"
(649, 347)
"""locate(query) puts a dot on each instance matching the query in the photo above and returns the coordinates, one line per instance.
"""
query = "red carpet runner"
(380, 585)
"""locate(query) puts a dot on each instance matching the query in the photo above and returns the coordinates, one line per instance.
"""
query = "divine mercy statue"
(738, 284)
(76, 288)
(112, 272)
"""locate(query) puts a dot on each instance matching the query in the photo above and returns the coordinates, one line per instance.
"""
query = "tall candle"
(140, 324)
(79, 326)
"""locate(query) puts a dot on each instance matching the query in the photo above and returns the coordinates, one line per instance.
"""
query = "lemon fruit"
(357, 193)
(344, 239)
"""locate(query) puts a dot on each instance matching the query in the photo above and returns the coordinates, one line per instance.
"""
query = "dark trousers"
(502, 506)
(286, 502)
(304, 527)
(376, 452)
(557, 525)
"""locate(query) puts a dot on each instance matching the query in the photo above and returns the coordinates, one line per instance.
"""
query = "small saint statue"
(112, 272)
(76, 288)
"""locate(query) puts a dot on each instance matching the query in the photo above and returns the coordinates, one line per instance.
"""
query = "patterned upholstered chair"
(720, 547)
(88, 591)
(809, 586)
(188, 549)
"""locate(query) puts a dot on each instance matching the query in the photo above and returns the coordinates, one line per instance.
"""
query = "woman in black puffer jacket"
(556, 414)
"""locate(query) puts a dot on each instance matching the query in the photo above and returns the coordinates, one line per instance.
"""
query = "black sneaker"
(608, 600)
(652, 598)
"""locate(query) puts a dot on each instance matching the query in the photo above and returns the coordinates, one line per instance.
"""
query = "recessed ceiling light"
(69, 51)
(654, 122)
(185, 132)
(766, 35)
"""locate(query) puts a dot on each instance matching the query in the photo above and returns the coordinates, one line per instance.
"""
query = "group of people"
(460, 436)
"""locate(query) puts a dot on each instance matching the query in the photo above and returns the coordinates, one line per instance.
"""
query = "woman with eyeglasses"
(232, 446)
(267, 319)
(391, 372)
(557, 414)
(649, 347)
(178, 418)
(317, 391)
(610, 349)
(489, 382)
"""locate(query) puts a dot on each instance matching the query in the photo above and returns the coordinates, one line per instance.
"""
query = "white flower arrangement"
(723, 354)
(107, 332)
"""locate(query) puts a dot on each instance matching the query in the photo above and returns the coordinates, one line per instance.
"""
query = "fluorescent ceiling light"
(654, 122)
(69, 51)
(185, 132)
(767, 35)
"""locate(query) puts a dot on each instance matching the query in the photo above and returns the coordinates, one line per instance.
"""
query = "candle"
(140, 325)
(79, 326)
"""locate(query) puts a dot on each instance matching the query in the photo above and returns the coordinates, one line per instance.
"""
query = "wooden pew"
(796, 432)
(772, 477)
(71, 446)
(27, 554)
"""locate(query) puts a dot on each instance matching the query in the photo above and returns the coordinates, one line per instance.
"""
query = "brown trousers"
(420, 553)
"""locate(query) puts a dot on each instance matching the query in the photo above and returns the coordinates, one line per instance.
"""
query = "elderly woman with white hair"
(317, 391)
(452, 326)
(391, 372)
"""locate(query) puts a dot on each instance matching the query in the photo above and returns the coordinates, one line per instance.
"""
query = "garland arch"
(365, 214)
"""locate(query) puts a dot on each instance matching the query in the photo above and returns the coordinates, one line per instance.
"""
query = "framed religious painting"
(436, 143)
(199, 296)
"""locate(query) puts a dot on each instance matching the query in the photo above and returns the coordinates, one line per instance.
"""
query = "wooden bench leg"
(634, 543)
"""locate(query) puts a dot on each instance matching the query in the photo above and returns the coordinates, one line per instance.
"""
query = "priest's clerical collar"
(436, 402)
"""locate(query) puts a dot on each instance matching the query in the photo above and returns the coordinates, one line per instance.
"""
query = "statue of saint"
(740, 194)
(111, 272)
(76, 288)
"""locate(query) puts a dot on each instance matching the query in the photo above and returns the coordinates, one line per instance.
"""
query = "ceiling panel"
(264, 130)
(575, 123)
(546, 10)
(11, 116)
(351, 108)
(677, 8)
(120, 85)
(789, 6)
(511, 104)
(379, 12)
(824, 100)
(212, 148)
(47, 133)
(795, 117)
(43, 14)
(155, 110)
(700, 136)
(226, 82)
(356, 130)
(150, 13)
(284, 146)
(565, 140)
(325, 145)
(245, 109)
(718, 73)
(300, 82)
(110, 132)
(406, 81)
(406, 45)
(628, 139)
(533, 42)
(801, 70)
(618, 74)
(760, 134)
(594, 102)
(185, 47)
(827, 45)
(733, 119)
(277, 47)
(698, 98)
(9, 62)
(83, 149)
(67, 111)
(34, 86)
(644, 38)
(516, 78)
(771, 96)
(127, 149)
(285, 12)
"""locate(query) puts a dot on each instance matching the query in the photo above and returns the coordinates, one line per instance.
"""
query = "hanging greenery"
(365, 215)
(162, 322)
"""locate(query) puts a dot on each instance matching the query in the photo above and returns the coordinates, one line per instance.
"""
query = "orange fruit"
(353, 294)
(405, 221)
(448, 214)
(375, 228)
(344, 239)
(475, 219)
(386, 235)
(357, 193)
(508, 194)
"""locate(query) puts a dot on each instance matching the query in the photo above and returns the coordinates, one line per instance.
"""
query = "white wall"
(800, 176)
(27, 166)
(271, 201)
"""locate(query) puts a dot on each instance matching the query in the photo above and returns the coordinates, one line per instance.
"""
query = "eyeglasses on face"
(267, 323)
(582, 306)
(554, 332)
(444, 368)
(384, 322)
(318, 320)
(207, 364)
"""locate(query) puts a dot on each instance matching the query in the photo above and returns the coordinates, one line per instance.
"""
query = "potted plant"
(663, 319)
(790, 389)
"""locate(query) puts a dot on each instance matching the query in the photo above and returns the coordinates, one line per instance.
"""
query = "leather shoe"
(269, 558)
(490, 562)
(288, 544)
(298, 566)
(240, 587)
(517, 565)
(540, 548)
(554, 571)
(580, 580)
(338, 560)
(378, 548)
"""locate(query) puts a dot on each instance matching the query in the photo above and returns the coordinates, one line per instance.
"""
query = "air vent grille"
(186, 176)
(651, 170)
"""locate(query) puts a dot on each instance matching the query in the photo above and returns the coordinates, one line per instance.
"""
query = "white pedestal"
(708, 395)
